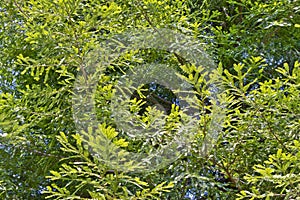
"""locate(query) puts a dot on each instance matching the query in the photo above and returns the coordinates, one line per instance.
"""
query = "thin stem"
(21, 10)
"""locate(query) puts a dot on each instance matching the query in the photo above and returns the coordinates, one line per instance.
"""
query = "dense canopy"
(212, 93)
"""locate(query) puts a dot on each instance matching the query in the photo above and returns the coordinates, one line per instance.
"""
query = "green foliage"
(86, 177)
(268, 120)
(44, 46)
(279, 176)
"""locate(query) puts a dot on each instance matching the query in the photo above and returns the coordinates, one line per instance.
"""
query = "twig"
(147, 17)
(180, 59)
(273, 133)
(21, 10)
(228, 173)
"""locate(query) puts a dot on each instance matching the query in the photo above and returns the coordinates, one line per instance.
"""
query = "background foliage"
(254, 43)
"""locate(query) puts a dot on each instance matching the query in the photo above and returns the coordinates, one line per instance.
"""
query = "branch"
(21, 10)
(273, 133)
(180, 59)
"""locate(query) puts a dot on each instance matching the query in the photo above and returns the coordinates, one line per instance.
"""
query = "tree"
(45, 46)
